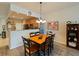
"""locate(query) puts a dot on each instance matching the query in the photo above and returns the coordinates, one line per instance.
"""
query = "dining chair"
(47, 50)
(44, 49)
(32, 34)
(37, 33)
(51, 41)
(29, 48)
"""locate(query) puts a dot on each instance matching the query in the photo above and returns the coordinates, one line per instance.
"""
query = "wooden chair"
(29, 48)
(45, 48)
(51, 41)
(32, 34)
(37, 33)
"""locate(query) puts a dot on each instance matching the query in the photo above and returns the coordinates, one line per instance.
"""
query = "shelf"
(72, 47)
(71, 41)
(72, 44)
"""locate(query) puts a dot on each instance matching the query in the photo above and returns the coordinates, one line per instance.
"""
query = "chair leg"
(38, 53)
(39, 50)
(44, 53)
(44, 50)
(48, 51)
(29, 53)
(25, 54)
(51, 46)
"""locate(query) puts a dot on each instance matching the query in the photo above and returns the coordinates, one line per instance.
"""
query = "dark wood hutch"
(73, 35)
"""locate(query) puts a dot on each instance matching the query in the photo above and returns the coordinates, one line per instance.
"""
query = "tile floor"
(62, 50)
(59, 50)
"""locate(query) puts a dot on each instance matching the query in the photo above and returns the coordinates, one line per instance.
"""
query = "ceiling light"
(41, 20)
(37, 21)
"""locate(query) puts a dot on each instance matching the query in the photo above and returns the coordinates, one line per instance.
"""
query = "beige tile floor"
(59, 50)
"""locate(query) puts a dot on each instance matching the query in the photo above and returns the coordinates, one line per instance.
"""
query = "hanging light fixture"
(41, 20)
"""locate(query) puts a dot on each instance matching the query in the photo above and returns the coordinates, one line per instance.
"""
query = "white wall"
(62, 16)
(4, 10)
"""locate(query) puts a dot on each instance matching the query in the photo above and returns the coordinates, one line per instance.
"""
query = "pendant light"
(41, 20)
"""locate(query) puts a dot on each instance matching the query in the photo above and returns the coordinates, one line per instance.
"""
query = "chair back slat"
(32, 34)
(29, 48)
(26, 42)
(37, 33)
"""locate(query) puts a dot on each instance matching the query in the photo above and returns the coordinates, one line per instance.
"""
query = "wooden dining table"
(39, 39)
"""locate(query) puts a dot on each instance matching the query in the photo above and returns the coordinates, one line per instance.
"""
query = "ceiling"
(47, 7)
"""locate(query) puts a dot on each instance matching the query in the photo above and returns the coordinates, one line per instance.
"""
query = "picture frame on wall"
(53, 25)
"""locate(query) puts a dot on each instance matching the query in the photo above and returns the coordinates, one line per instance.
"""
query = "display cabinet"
(73, 35)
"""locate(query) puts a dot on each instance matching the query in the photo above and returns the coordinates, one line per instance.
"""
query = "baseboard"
(60, 42)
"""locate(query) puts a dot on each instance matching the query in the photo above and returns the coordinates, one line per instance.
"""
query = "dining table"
(40, 40)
